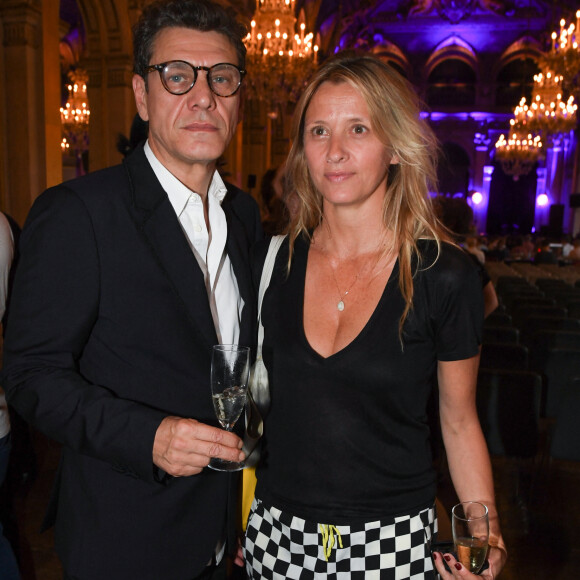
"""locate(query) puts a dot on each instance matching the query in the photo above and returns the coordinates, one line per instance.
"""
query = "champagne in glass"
(470, 526)
(230, 369)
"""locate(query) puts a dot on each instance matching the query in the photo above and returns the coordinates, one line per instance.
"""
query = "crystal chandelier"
(548, 113)
(281, 55)
(519, 153)
(564, 54)
(75, 115)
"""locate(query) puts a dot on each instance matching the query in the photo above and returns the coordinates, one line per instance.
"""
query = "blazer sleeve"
(54, 305)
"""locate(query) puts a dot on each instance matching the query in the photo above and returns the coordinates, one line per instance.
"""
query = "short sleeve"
(458, 305)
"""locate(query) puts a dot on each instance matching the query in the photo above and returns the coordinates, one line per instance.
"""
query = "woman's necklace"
(340, 305)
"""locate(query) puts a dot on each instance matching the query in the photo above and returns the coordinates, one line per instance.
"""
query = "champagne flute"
(470, 526)
(230, 370)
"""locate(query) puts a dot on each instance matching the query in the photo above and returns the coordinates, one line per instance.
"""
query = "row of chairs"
(531, 272)
(557, 366)
(530, 368)
(509, 406)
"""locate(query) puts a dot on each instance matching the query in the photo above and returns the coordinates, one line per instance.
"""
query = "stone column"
(112, 105)
(52, 90)
(481, 179)
(23, 144)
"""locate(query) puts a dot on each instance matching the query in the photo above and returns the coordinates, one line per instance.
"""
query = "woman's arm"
(467, 454)
(490, 299)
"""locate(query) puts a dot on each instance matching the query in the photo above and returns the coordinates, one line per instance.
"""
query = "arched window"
(393, 56)
(394, 64)
(451, 83)
(514, 81)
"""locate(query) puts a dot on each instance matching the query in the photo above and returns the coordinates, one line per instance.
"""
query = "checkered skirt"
(279, 545)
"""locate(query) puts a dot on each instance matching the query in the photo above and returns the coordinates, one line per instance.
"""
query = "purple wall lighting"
(542, 200)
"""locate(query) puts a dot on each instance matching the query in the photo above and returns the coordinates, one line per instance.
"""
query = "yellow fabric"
(327, 533)
(248, 489)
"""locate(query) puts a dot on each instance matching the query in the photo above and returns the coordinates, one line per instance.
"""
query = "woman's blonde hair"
(394, 110)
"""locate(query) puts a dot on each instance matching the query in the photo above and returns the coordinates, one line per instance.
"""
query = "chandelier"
(519, 153)
(75, 115)
(281, 55)
(564, 54)
(548, 113)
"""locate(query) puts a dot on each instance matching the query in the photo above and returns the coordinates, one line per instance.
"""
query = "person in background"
(545, 255)
(137, 136)
(368, 305)
(522, 248)
(472, 246)
(127, 277)
(275, 214)
(457, 217)
(574, 253)
(566, 245)
(8, 563)
(497, 249)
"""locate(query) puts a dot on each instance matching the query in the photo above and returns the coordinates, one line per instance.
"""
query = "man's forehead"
(175, 41)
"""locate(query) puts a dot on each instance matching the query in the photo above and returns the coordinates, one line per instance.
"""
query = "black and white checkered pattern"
(279, 546)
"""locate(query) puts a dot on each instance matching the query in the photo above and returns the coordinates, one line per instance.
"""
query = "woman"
(366, 308)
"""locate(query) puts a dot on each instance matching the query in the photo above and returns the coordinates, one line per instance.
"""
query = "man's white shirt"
(208, 246)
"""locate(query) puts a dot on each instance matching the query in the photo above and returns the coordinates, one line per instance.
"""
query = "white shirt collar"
(177, 192)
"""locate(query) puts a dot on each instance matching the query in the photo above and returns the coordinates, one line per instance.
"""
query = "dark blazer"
(110, 331)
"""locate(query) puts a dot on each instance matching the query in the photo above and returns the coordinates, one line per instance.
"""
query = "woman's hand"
(496, 558)
(239, 558)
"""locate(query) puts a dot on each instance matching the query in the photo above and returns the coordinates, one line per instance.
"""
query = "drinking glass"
(230, 370)
(470, 526)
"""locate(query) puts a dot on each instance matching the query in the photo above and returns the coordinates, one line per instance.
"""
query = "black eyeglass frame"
(159, 68)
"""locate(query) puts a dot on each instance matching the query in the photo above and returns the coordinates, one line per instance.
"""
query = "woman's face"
(347, 162)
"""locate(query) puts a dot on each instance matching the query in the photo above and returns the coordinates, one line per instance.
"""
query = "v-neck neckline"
(303, 264)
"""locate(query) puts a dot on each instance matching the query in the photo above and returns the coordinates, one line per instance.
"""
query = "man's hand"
(184, 447)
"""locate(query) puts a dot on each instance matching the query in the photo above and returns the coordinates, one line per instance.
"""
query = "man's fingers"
(184, 446)
(203, 432)
(227, 453)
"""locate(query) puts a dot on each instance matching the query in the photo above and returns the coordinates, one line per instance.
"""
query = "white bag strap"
(267, 270)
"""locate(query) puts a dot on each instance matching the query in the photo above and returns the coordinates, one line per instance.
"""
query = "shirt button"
(197, 228)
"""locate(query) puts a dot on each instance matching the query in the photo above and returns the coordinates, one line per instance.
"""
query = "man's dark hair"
(202, 15)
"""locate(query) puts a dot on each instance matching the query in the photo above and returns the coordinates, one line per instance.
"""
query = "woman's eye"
(317, 131)
(359, 129)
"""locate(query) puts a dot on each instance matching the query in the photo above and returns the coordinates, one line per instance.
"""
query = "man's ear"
(140, 91)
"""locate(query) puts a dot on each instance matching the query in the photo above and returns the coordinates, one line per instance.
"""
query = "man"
(127, 278)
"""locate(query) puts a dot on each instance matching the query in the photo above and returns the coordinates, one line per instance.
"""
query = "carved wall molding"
(21, 24)
(20, 4)
(119, 74)
(107, 25)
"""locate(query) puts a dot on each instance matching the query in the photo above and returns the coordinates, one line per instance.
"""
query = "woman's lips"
(338, 176)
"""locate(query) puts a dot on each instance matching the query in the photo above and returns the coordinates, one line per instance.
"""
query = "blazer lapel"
(156, 219)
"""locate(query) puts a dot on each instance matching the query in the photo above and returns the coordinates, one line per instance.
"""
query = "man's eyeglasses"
(178, 77)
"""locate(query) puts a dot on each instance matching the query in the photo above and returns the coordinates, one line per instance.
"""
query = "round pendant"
(340, 305)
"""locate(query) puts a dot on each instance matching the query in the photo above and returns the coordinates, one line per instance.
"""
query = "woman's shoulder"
(445, 254)
(444, 260)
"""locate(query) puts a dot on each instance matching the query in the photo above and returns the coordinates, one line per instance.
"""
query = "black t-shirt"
(483, 274)
(347, 437)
